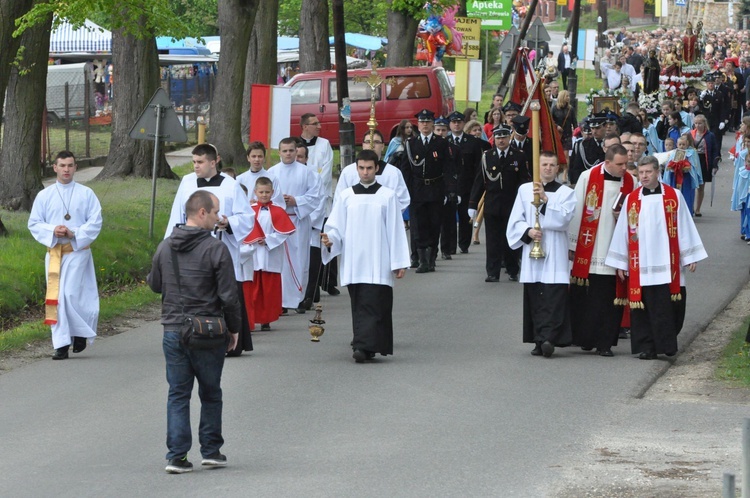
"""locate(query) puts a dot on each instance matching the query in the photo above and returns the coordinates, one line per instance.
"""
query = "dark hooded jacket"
(206, 278)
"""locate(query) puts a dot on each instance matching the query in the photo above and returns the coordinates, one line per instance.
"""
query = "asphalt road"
(461, 409)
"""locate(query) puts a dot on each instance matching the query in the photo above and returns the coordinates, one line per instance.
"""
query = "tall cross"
(373, 81)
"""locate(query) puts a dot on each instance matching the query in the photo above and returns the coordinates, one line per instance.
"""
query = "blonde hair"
(470, 125)
(563, 99)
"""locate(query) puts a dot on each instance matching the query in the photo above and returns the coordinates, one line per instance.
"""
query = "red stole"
(635, 295)
(590, 222)
(279, 219)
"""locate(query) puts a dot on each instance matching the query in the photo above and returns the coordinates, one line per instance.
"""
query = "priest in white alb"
(302, 191)
(546, 307)
(366, 229)
(66, 218)
(237, 219)
(654, 239)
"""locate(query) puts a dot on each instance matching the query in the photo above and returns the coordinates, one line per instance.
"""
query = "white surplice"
(297, 180)
(653, 240)
(232, 203)
(269, 256)
(390, 177)
(558, 211)
(248, 179)
(78, 302)
(367, 231)
(606, 222)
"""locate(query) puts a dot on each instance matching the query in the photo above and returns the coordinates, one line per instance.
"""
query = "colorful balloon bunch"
(437, 34)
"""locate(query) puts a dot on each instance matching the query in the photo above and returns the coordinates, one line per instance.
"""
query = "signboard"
(471, 29)
(680, 3)
(495, 14)
(170, 129)
(468, 87)
(562, 3)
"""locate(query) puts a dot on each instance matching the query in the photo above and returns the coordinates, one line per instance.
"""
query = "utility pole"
(346, 128)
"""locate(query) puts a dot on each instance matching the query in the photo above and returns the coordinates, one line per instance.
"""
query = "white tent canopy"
(88, 38)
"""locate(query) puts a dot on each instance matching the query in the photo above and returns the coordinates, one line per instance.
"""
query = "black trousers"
(546, 314)
(429, 217)
(498, 250)
(594, 316)
(313, 282)
(372, 320)
(413, 233)
(654, 329)
(245, 340)
(465, 227)
(448, 229)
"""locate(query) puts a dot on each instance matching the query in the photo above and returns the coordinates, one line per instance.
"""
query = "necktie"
(425, 141)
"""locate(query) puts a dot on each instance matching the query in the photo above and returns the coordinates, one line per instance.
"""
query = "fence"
(78, 116)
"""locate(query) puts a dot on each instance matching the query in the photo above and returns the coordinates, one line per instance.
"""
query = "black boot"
(423, 260)
(432, 256)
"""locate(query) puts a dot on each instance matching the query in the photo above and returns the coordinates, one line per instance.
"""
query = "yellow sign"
(562, 3)
(470, 27)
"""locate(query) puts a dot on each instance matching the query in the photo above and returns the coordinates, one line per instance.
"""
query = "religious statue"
(672, 62)
(651, 71)
(689, 45)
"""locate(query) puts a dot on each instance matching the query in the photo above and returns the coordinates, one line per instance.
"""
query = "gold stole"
(53, 281)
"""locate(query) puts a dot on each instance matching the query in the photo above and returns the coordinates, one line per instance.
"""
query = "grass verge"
(110, 307)
(734, 366)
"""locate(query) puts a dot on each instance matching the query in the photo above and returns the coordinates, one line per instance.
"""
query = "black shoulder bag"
(200, 331)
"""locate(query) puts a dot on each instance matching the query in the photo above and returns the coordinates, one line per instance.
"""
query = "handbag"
(200, 331)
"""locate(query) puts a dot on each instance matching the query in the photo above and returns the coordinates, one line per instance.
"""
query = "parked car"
(411, 90)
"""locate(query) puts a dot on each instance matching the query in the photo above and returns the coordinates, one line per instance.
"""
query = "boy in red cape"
(266, 244)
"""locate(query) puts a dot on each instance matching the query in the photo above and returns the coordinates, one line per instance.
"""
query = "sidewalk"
(85, 175)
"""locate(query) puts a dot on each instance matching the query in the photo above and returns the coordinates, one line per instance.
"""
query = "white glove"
(721, 125)
(445, 200)
(472, 214)
(458, 199)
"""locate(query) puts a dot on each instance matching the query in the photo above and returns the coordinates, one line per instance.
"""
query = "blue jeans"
(183, 366)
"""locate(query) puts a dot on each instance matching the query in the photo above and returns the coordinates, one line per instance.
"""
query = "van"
(76, 77)
(413, 89)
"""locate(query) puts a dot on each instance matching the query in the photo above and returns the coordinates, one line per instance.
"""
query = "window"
(358, 92)
(408, 87)
(306, 92)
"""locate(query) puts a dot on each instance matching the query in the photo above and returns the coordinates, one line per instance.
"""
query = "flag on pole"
(550, 139)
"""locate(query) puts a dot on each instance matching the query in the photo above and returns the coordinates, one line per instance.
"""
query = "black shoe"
(179, 466)
(605, 352)
(492, 278)
(446, 256)
(61, 353)
(513, 278)
(586, 349)
(537, 351)
(359, 356)
(284, 312)
(215, 460)
(79, 344)
(464, 251)
(306, 304)
(476, 242)
(332, 291)
(647, 355)
(547, 349)
(414, 263)
(265, 327)
(235, 352)
(624, 334)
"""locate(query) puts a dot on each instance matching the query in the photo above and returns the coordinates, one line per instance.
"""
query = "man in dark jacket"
(429, 171)
(207, 287)
(502, 171)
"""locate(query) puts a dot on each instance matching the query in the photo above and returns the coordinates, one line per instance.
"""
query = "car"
(404, 92)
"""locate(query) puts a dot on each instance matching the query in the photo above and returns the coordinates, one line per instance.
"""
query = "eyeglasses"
(375, 142)
(315, 123)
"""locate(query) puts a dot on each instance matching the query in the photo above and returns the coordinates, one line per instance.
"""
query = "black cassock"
(372, 322)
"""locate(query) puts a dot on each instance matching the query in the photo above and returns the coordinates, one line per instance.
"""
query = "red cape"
(279, 220)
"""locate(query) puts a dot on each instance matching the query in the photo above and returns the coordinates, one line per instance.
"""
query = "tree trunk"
(135, 79)
(402, 32)
(236, 19)
(314, 49)
(20, 159)
(260, 66)
(10, 10)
